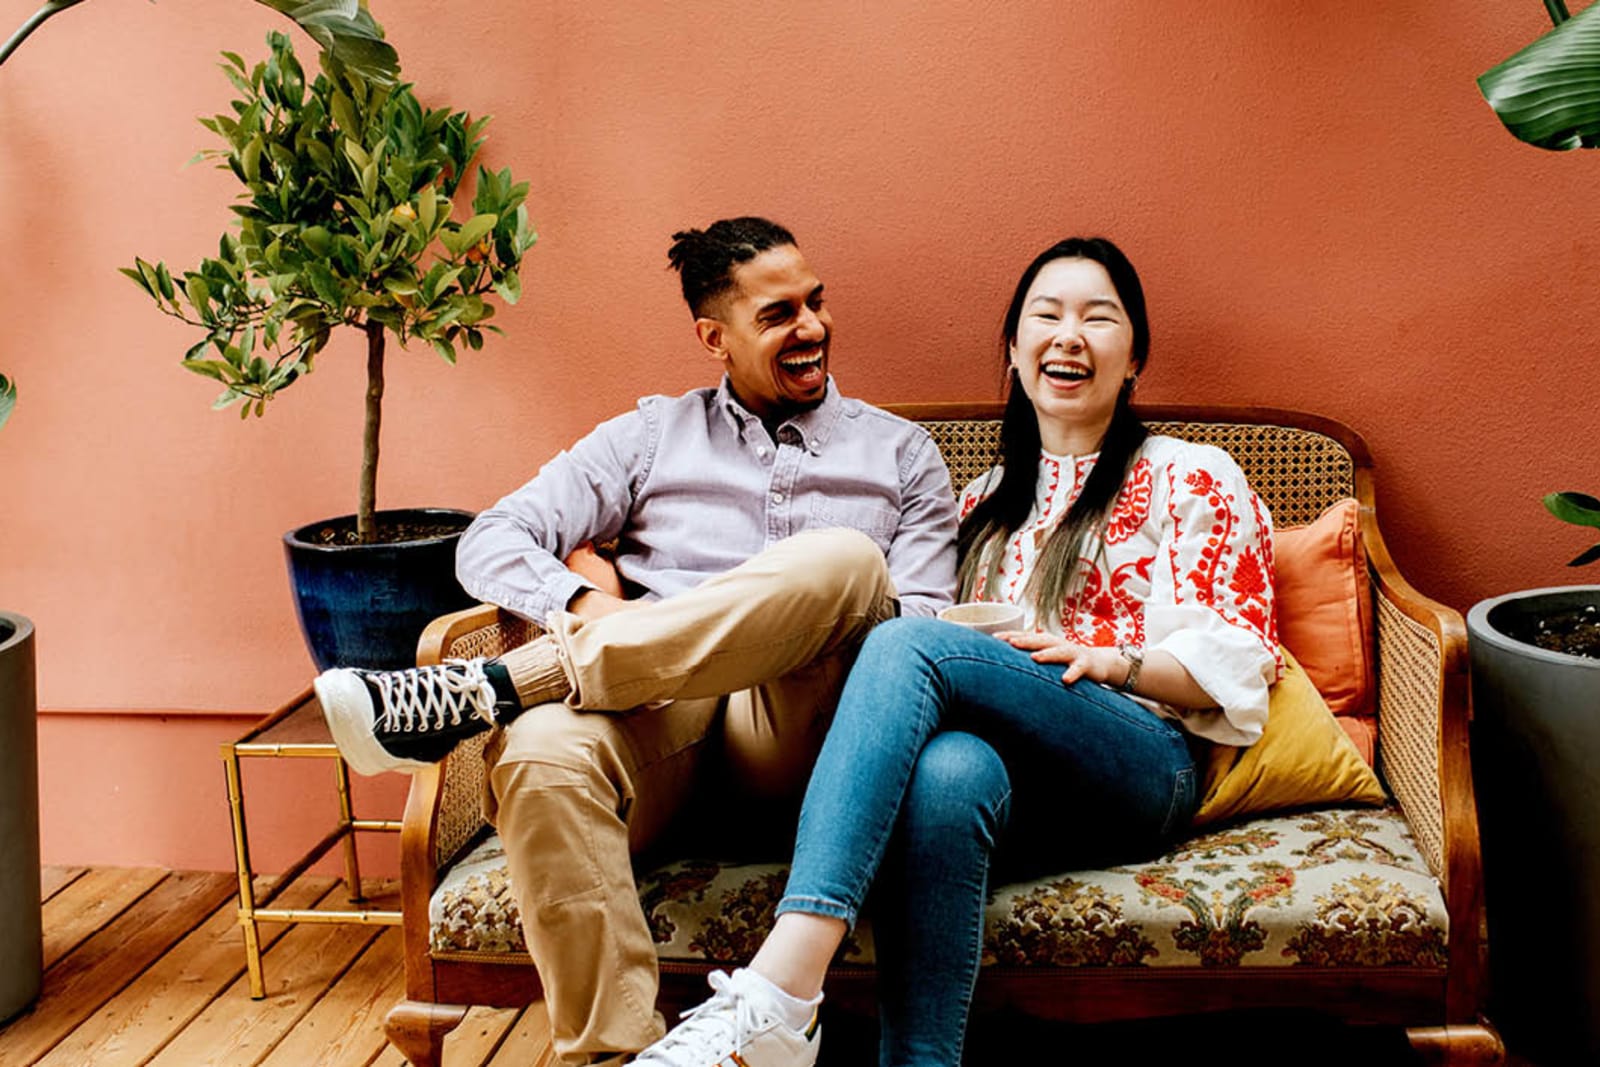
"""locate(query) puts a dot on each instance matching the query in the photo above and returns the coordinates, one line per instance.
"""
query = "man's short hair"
(704, 259)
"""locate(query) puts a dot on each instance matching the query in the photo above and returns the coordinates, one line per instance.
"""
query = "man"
(762, 528)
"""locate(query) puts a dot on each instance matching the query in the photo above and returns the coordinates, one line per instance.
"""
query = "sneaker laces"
(429, 698)
(709, 1031)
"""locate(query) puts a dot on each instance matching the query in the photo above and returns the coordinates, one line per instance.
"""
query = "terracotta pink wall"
(1325, 213)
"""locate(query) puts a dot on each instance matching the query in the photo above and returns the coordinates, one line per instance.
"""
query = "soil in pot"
(387, 531)
(1575, 631)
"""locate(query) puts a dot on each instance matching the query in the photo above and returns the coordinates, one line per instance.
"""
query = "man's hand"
(1098, 663)
(592, 604)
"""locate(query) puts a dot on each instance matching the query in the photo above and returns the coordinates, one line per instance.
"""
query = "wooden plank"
(528, 1042)
(468, 1045)
(345, 1029)
(100, 967)
(234, 1030)
(53, 879)
(89, 903)
(139, 1021)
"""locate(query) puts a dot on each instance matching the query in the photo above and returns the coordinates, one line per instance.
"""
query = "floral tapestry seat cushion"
(1332, 887)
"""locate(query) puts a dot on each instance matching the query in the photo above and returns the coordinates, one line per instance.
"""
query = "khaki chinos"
(576, 791)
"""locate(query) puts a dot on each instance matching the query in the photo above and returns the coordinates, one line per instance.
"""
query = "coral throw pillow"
(1304, 758)
(1324, 606)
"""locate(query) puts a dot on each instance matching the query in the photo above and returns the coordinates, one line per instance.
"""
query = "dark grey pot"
(1536, 766)
(21, 940)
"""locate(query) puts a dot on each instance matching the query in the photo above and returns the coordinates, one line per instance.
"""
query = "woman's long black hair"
(988, 527)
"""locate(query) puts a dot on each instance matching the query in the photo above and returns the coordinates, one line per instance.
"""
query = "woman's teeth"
(1066, 372)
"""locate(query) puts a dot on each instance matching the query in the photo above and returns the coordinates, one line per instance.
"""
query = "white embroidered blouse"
(1185, 567)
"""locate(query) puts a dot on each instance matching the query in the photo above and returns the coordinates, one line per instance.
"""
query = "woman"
(1143, 567)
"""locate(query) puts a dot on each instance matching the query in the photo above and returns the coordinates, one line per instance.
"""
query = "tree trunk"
(366, 513)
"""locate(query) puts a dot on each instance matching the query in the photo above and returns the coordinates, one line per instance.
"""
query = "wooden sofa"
(1395, 939)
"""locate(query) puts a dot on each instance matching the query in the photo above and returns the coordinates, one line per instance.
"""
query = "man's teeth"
(800, 363)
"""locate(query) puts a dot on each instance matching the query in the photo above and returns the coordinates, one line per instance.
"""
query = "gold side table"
(295, 731)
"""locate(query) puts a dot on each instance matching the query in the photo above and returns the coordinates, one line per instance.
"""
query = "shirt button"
(777, 498)
(762, 452)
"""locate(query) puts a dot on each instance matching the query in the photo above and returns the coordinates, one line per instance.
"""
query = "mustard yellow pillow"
(1304, 758)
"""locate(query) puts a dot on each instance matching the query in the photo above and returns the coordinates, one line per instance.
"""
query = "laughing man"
(762, 528)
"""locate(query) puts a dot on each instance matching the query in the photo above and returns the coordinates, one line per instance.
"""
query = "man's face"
(771, 333)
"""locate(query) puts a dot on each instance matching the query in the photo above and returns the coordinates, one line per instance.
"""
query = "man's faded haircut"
(704, 259)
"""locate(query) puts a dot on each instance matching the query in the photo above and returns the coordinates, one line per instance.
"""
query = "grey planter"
(21, 941)
(1536, 765)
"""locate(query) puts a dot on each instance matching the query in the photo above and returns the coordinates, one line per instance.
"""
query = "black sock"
(507, 705)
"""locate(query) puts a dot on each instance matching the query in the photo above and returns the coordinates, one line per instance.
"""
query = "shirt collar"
(815, 425)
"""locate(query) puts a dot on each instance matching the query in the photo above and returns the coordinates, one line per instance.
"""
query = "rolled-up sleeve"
(922, 556)
(512, 553)
(1210, 602)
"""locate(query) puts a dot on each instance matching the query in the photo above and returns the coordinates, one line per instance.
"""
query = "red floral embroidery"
(1053, 466)
(1132, 509)
(1233, 573)
(1203, 576)
(1107, 613)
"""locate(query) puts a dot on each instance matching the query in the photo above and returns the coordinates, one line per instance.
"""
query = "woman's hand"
(1098, 663)
(1162, 677)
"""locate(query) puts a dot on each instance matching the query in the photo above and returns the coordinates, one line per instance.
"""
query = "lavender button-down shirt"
(691, 486)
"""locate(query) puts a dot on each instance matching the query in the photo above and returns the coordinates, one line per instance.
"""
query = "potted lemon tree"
(345, 29)
(348, 220)
(1536, 676)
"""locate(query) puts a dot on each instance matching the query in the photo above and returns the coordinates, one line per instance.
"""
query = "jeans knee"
(960, 784)
(895, 639)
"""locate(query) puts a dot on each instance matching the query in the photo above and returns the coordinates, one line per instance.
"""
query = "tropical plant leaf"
(1580, 509)
(346, 31)
(8, 398)
(1586, 557)
(1548, 94)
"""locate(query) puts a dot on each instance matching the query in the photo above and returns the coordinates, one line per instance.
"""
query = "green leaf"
(445, 349)
(475, 229)
(427, 210)
(1588, 556)
(354, 151)
(509, 287)
(317, 239)
(138, 276)
(1580, 509)
(324, 284)
(210, 368)
(8, 398)
(1548, 94)
(198, 292)
(164, 282)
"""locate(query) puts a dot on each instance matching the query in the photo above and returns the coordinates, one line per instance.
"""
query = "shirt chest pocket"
(877, 521)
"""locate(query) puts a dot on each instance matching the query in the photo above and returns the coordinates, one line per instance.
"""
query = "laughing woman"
(1143, 568)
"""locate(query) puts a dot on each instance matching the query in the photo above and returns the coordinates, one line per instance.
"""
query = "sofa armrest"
(1423, 745)
(444, 807)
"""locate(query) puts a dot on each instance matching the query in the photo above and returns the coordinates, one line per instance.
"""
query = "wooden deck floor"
(147, 967)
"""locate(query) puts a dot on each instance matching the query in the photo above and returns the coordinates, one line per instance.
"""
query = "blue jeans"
(947, 743)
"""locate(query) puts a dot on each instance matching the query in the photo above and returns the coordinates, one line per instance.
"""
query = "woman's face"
(1072, 352)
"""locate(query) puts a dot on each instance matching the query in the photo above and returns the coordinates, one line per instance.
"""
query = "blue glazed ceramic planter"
(1536, 769)
(365, 605)
(21, 936)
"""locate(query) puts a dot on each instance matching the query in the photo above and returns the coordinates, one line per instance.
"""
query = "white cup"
(985, 616)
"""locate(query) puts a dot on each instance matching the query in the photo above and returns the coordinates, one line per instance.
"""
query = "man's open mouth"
(802, 363)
